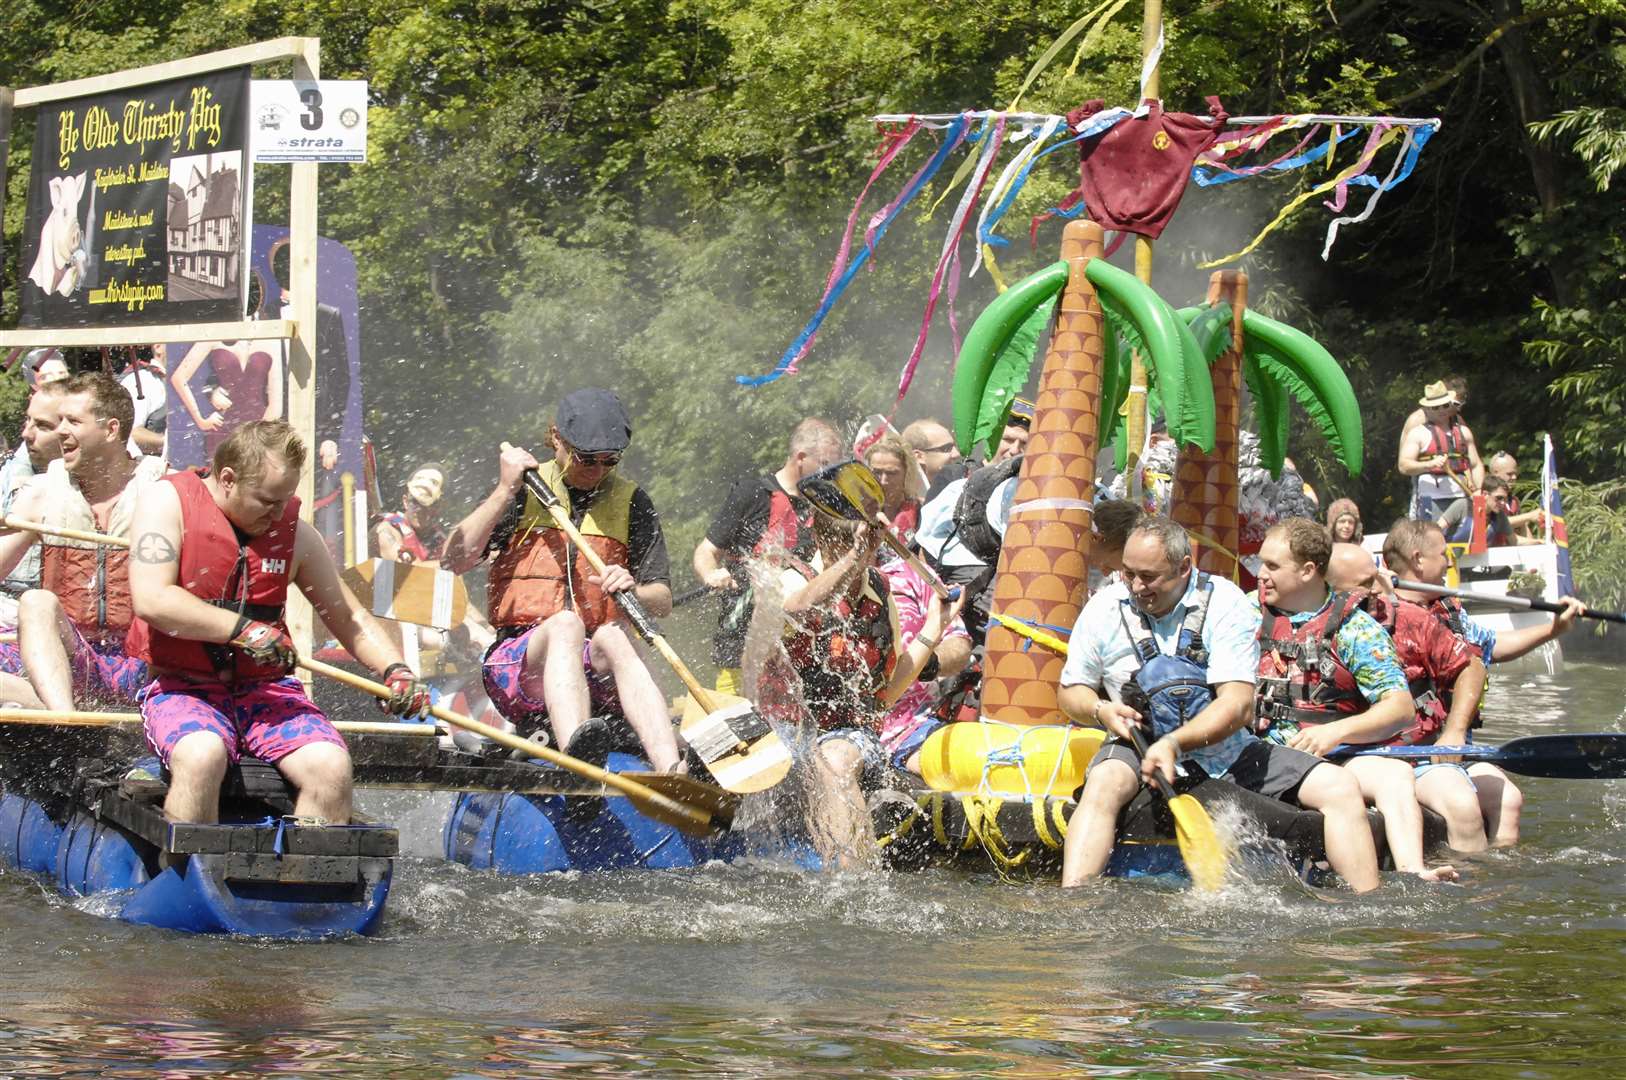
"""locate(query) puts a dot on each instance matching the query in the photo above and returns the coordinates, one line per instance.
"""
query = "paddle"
(737, 743)
(1206, 857)
(1520, 603)
(849, 490)
(691, 819)
(66, 534)
(1600, 756)
(120, 719)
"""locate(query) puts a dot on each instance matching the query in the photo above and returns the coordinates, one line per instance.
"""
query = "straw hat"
(1436, 394)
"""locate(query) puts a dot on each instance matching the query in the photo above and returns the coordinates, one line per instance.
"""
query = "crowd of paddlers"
(853, 587)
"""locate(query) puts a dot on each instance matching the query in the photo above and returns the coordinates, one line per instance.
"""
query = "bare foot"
(1437, 874)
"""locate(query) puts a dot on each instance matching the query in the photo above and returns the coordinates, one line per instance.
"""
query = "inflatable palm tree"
(1044, 563)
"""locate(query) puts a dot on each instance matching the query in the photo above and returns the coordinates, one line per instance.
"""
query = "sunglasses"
(608, 459)
(945, 448)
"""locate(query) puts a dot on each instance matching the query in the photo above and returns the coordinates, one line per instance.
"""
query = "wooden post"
(1151, 26)
(302, 193)
(1207, 493)
(1044, 562)
(5, 155)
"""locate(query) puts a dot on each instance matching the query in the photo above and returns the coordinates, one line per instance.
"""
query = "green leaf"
(1270, 414)
(1010, 374)
(1212, 329)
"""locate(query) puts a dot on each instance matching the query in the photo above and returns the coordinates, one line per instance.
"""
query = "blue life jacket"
(1173, 687)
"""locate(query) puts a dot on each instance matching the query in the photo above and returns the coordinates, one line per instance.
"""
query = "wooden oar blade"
(1206, 856)
(737, 743)
(719, 803)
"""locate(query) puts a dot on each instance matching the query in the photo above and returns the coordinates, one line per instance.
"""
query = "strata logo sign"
(308, 121)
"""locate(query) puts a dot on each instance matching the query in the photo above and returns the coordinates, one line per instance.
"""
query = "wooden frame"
(299, 331)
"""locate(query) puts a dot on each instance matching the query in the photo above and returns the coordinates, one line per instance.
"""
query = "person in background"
(764, 517)
(1459, 390)
(888, 458)
(1440, 454)
(144, 380)
(1013, 440)
(1457, 522)
(41, 446)
(1344, 522)
(1505, 467)
(50, 366)
(933, 446)
(414, 533)
(562, 653)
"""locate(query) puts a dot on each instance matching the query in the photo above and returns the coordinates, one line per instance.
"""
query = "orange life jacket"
(539, 574)
(91, 580)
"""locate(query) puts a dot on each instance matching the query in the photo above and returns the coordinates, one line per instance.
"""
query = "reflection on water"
(751, 970)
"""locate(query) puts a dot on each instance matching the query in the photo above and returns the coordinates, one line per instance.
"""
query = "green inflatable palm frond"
(1114, 373)
(1285, 380)
(1011, 370)
(1211, 326)
(1270, 414)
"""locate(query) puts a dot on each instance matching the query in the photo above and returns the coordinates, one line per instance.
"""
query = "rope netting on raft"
(1118, 150)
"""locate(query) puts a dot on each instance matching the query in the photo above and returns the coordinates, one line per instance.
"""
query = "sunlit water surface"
(759, 970)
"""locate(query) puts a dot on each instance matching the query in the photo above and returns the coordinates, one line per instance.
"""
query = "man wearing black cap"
(560, 653)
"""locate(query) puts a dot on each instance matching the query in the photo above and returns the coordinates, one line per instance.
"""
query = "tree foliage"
(646, 194)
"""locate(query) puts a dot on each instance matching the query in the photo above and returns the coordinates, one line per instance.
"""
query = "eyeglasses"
(944, 449)
(609, 459)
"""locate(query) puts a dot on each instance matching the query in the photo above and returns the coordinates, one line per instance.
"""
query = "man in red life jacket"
(842, 667)
(1328, 675)
(1416, 551)
(561, 653)
(213, 557)
(1442, 445)
(763, 517)
(70, 631)
(1446, 678)
(413, 533)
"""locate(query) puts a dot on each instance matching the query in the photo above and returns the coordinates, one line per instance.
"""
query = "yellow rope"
(1215, 545)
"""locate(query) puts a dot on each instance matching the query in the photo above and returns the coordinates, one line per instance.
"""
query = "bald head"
(1351, 567)
(932, 444)
(1504, 466)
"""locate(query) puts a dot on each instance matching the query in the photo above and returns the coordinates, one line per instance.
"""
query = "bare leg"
(642, 702)
(1348, 840)
(1108, 787)
(197, 765)
(1388, 784)
(17, 688)
(46, 640)
(1501, 803)
(321, 772)
(1448, 793)
(840, 816)
(553, 672)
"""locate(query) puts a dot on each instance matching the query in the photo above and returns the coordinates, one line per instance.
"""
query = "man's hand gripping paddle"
(1200, 846)
(674, 806)
(850, 491)
(737, 743)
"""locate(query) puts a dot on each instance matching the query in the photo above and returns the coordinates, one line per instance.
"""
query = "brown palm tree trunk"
(1207, 494)
(1044, 563)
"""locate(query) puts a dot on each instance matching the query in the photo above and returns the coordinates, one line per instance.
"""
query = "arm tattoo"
(154, 548)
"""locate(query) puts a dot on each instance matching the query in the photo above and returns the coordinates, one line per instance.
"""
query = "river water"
(762, 969)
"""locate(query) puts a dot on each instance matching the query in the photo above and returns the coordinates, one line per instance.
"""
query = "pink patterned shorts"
(505, 664)
(269, 719)
(102, 674)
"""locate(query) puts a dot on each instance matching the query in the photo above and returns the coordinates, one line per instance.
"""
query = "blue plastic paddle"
(1599, 756)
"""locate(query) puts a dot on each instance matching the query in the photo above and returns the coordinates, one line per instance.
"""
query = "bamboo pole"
(1151, 27)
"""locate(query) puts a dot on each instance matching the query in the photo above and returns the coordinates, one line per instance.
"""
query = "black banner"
(137, 206)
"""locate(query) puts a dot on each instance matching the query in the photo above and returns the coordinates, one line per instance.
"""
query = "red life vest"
(1408, 624)
(1447, 441)
(414, 547)
(92, 581)
(539, 573)
(216, 566)
(786, 530)
(906, 521)
(1449, 610)
(843, 656)
(1301, 678)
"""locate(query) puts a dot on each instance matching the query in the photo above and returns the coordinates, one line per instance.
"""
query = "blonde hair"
(893, 444)
(245, 452)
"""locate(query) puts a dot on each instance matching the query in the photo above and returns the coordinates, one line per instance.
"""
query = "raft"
(83, 811)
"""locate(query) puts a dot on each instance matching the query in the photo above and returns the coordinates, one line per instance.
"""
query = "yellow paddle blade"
(1206, 857)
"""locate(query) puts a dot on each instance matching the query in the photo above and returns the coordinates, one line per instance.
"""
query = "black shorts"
(1272, 770)
(1268, 768)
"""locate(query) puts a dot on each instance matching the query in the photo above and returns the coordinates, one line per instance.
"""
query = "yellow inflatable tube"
(1009, 759)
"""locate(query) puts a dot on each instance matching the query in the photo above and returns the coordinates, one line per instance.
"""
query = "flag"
(1552, 505)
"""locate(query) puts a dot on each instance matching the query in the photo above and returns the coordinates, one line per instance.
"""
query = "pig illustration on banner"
(60, 265)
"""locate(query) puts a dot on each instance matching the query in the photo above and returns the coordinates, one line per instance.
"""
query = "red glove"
(409, 695)
(264, 643)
